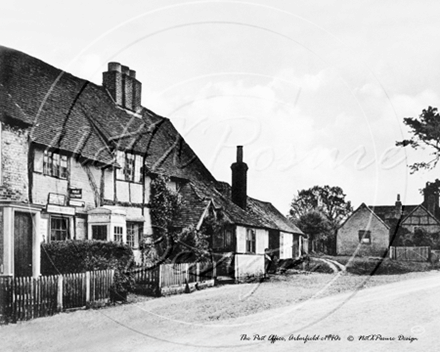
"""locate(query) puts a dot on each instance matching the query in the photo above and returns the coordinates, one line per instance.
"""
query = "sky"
(315, 91)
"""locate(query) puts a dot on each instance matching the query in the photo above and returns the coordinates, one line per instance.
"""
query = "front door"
(23, 244)
(274, 243)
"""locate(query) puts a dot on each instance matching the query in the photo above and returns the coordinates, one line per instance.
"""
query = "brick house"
(77, 160)
(371, 230)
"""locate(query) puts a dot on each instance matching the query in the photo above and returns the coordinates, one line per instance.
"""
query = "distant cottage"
(371, 230)
(77, 161)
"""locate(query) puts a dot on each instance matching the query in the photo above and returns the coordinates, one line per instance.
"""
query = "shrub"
(64, 257)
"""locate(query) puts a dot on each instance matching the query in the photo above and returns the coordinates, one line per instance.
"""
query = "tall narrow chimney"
(398, 209)
(127, 88)
(239, 180)
(112, 80)
(123, 86)
(431, 201)
(137, 90)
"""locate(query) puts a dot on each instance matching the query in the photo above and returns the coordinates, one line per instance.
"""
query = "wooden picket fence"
(167, 275)
(416, 254)
(180, 274)
(25, 298)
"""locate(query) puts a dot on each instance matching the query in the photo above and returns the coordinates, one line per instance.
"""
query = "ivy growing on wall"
(165, 205)
(176, 245)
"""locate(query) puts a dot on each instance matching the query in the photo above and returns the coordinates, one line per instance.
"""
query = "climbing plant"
(171, 244)
(165, 205)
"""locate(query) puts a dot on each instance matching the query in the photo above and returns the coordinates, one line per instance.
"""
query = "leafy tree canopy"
(329, 201)
(426, 133)
(315, 224)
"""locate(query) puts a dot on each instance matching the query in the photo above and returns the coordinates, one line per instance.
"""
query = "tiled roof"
(387, 213)
(199, 195)
(10, 110)
(258, 214)
(78, 116)
(270, 216)
(55, 102)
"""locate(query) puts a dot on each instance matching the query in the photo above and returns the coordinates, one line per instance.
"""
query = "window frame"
(131, 167)
(59, 229)
(118, 234)
(364, 236)
(134, 236)
(251, 237)
(99, 226)
(54, 165)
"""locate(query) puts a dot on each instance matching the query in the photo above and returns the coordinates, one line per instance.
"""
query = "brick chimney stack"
(239, 180)
(431, 198)
(123, 86)
(398, 207)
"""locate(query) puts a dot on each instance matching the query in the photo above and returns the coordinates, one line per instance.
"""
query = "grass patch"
(379, 266)
(318, 266)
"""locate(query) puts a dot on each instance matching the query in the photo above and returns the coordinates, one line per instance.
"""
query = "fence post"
(160, 277)
(60, 293)
(87, 287)
(187, 272)
(112, 280)
(198, 272)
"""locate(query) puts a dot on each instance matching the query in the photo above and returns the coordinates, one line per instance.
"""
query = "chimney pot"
(398, 206)
(239, 154)
(114, 66)
(132, 73)
(125, 70)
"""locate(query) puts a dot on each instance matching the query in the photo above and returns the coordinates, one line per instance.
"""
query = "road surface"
(403, 316)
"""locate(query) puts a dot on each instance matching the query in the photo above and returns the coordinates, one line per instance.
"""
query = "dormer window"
(51, 164)
(131, 165)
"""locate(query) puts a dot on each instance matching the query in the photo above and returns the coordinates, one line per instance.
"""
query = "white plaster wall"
(240, 233)
(262, 241)
(286, 242)
(248, 265)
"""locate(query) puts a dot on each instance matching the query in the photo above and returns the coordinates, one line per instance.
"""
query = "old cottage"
(371, 230)
(77, 161)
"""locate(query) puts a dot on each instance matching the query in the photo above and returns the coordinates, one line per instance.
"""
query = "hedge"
(73, 256)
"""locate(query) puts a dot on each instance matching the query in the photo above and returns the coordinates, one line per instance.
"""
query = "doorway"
(23, 231)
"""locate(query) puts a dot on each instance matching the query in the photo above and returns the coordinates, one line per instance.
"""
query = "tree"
(329, 202)
(316, 226)
(426, 133)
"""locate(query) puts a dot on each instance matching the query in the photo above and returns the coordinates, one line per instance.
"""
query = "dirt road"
(408, 310)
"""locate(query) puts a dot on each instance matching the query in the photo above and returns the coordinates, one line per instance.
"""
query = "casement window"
(117, 234)
(134, 233)
(228, 237)
(250, 240)
(51, 164)
(131, 166)
(223, 239)
(59, 228)
(99, 232)
(364, 236)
